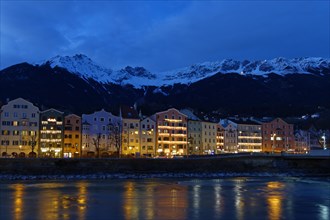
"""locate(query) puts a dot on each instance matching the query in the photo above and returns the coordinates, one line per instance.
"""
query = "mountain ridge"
(84, 67)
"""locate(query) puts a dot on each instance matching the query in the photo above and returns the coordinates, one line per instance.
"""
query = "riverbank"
(247, 165)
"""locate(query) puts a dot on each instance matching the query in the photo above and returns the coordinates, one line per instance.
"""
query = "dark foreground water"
(226, 198)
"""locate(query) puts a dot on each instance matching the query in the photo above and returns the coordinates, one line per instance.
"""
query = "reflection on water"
(152, 200)
(235, 198)
(18, 200)
(274, 199)
(239, 202)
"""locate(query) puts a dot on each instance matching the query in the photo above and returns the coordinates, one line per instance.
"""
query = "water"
(226, 198)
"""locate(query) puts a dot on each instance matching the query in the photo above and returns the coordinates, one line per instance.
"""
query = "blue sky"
(162, 35)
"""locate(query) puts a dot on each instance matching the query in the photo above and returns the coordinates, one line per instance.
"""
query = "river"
(224, 198)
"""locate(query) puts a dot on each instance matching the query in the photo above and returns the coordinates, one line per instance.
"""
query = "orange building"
(171, 137)
(277, 136)
(72, 136)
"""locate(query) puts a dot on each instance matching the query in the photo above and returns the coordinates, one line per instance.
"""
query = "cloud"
(162, 35)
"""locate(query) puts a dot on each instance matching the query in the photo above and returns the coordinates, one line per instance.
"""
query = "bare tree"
(33, 144)
(96, 142)
(115, 136)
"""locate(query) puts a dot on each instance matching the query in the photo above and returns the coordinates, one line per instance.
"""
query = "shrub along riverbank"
(145, 166)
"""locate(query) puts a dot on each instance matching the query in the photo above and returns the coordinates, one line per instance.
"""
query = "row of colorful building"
(28, 132)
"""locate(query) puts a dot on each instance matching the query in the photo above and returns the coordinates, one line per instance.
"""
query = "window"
(6, 114)
(101, 119)
(15, 115)
(33, 115)
(15, 123)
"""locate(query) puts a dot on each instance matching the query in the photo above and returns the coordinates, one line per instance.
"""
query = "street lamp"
(324, 143)
(273, 146)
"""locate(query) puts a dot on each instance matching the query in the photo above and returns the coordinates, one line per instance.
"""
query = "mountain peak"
(86, 68)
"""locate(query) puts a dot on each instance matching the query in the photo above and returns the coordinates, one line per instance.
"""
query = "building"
(248, 133)
(302, 141)
(19, 125)
(228, 132)
(195, 137)
(51, 133)
(148, 137)
(130, 132)
(171, 137)
(277, 136)
(195, 145)
(209, 137)
(72, 136)
(220, 138)
(101, 134)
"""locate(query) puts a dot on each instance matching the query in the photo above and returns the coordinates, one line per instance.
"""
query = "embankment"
(244, 164)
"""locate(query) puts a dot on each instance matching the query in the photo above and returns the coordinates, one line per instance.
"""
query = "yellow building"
(148, 137)
(130, 132)
(209, 137)
(195, 137)
(72, 136)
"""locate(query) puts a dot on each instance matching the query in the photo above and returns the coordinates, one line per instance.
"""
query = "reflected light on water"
(274, 199)
(324, 212)
(130, 206)
(217, 196)
(239, 203)
(82, 199)
(196, 199)
(18, 201)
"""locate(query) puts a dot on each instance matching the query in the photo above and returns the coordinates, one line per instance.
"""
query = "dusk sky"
(163, 35)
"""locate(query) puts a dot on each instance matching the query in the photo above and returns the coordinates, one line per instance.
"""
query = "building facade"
(209, 137)
(148, 137)
(72, 136)
(101, 134)
(171, 139)
(19, 129)
(277, 136)
(131, 137)
(51, 133)
(249, 135)
(229, 132)
(195, 137)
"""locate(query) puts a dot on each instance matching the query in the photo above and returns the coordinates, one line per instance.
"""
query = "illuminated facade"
(100, 134)
(19, 127)
(220, 138)
(51, 133)
(148, 137)
(277, 136)
(130, 136)
(209, 137)
(247, 132)
(195, 137)
(72, 136)
(171, 138)
(227, 136)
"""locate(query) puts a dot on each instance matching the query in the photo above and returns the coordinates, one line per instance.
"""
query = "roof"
(129, 112)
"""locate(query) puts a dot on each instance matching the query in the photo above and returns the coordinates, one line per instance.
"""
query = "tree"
(115, 136)
(96, 142)
(32, 144)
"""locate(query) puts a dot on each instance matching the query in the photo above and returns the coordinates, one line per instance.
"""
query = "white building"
(19, 125)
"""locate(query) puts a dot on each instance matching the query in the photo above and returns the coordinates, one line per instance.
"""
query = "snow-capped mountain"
(139, 76)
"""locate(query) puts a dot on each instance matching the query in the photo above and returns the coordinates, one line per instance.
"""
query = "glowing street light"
(324, 143)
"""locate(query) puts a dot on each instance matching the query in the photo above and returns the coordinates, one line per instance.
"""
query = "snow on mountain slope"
(82, 66)
(139, 76)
